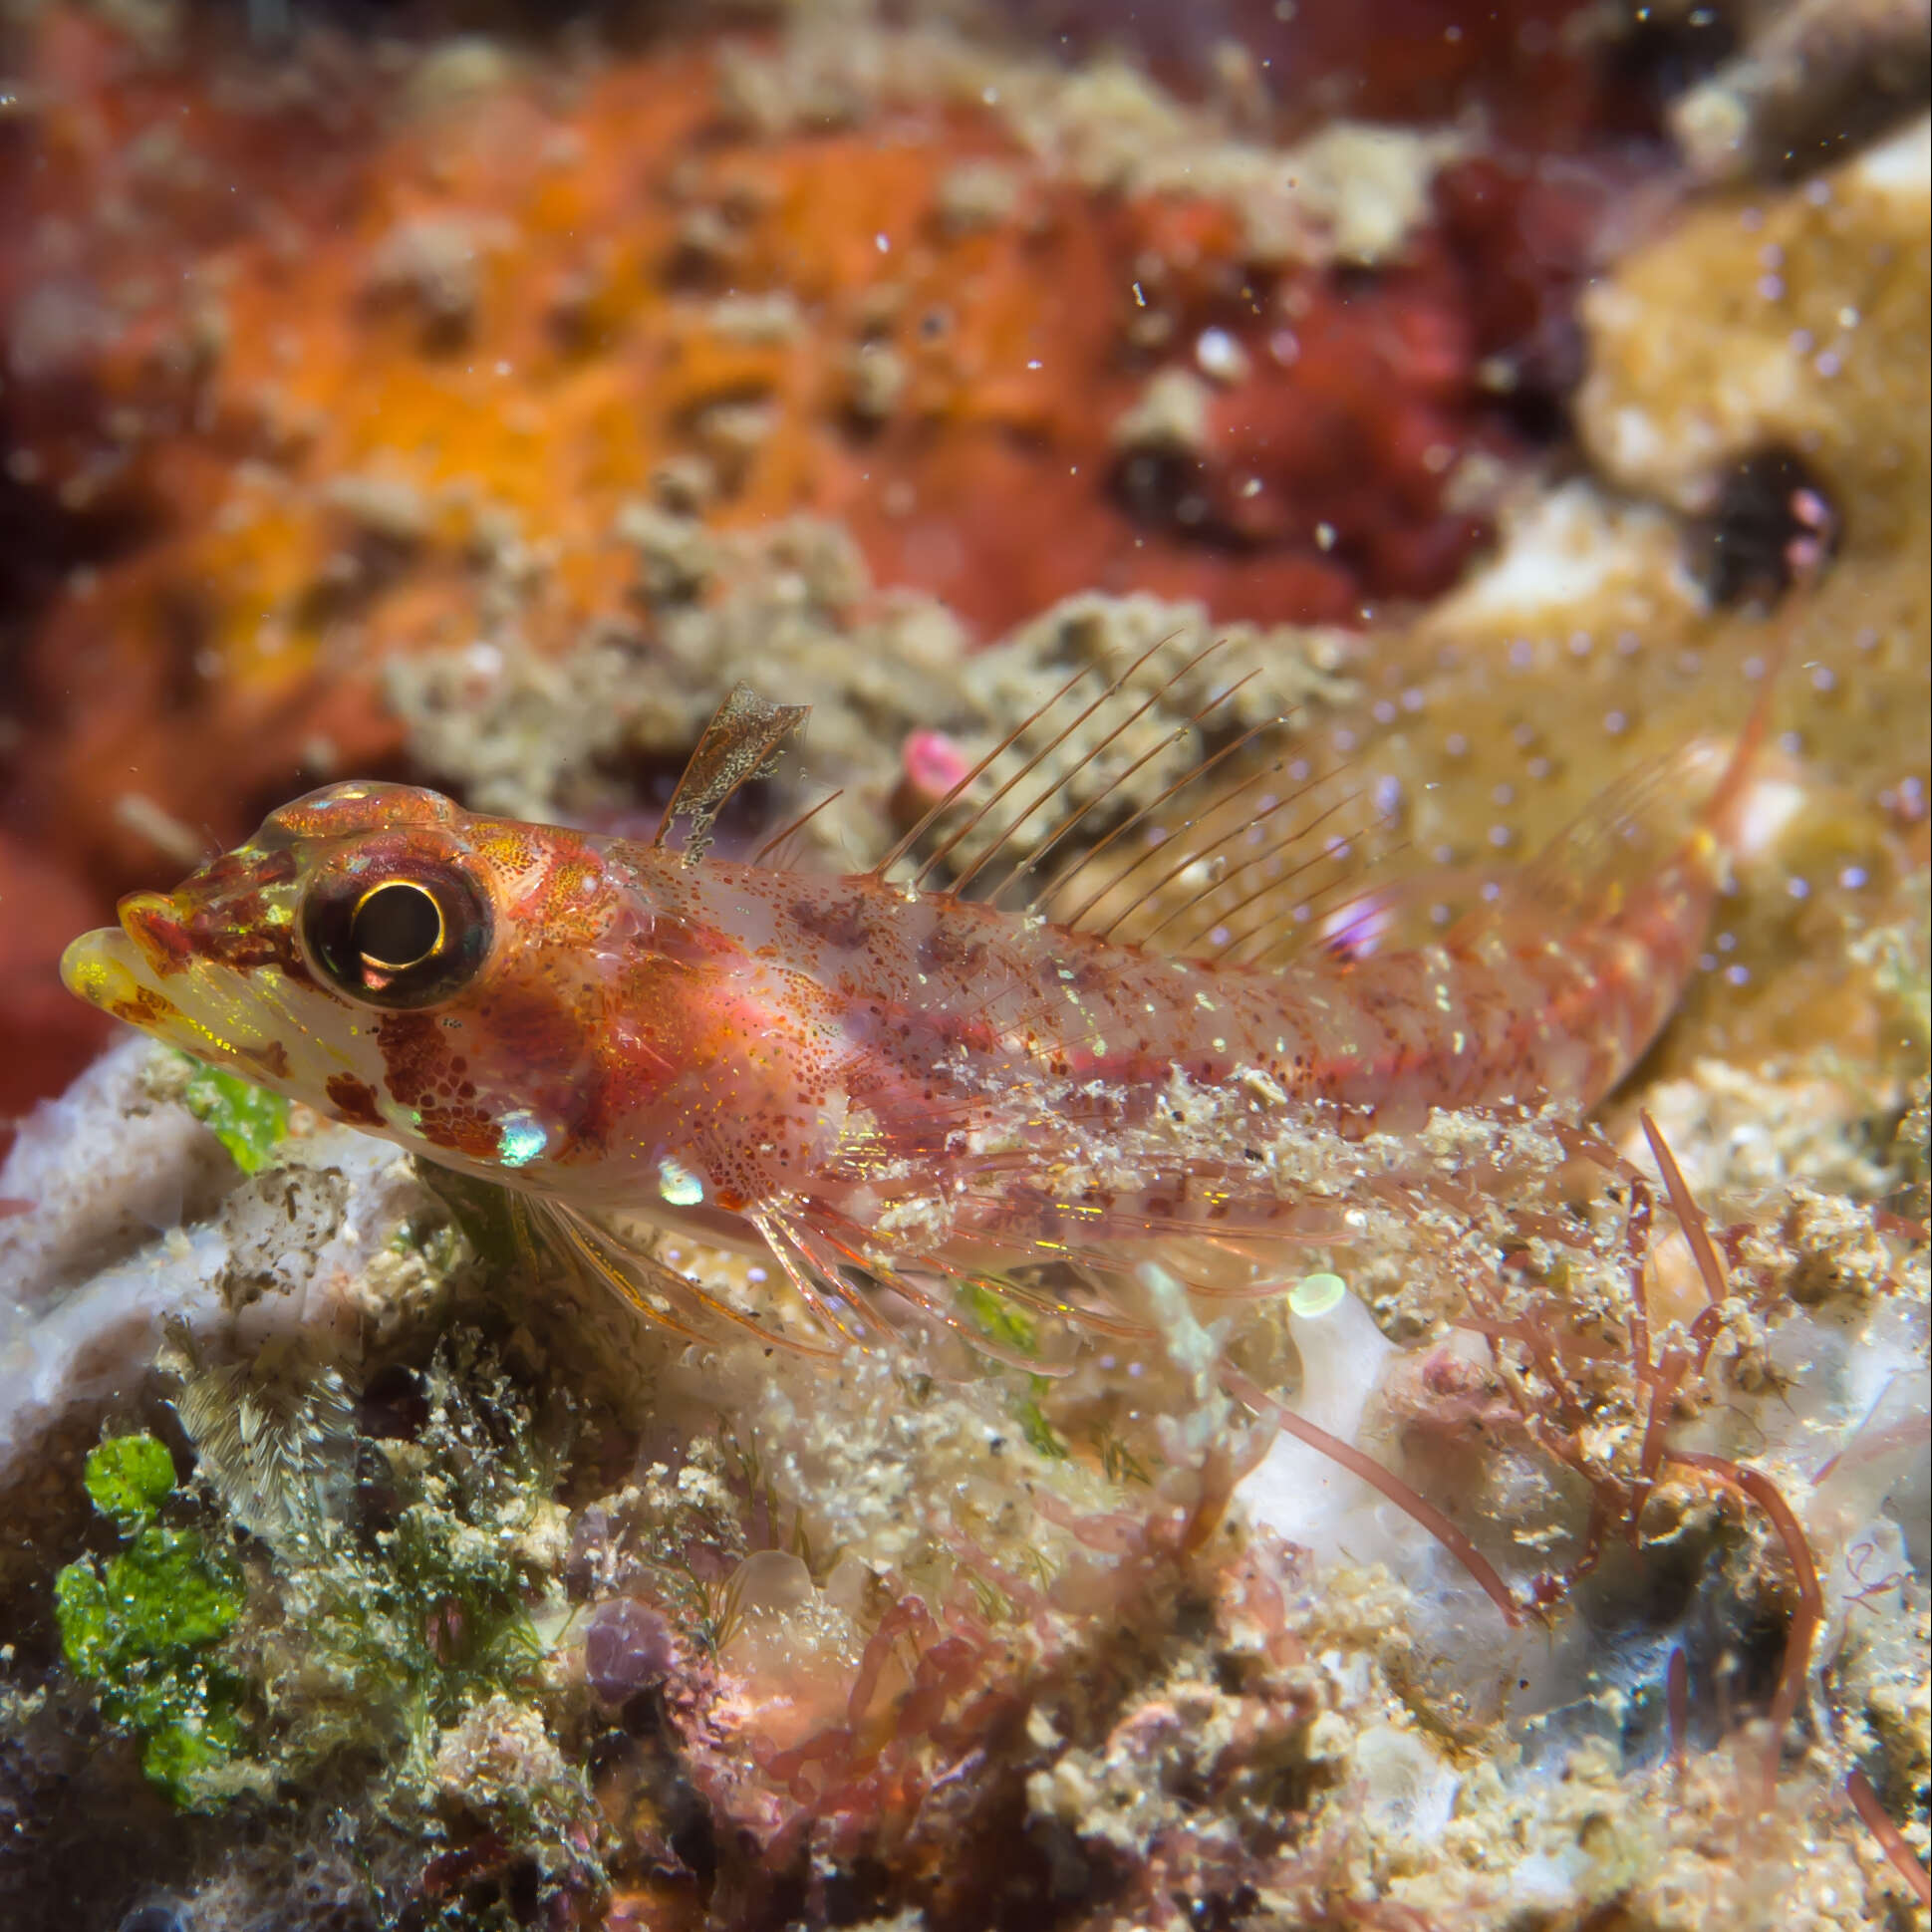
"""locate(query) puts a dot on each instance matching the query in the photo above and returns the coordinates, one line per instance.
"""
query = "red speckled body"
(846, 1042)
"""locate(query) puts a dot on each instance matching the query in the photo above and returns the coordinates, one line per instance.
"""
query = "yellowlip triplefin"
(857, 1073)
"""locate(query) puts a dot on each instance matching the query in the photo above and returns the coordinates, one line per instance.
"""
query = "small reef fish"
(860, 1073)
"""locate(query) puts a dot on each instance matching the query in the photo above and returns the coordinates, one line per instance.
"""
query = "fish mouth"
(107, 970)
(143, 973)
(152, 944)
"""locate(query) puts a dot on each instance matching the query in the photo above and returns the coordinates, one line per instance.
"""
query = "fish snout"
(87, 964)
(152, 920)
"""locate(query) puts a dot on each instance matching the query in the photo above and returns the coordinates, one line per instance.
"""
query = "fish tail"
(1665, 827)
(1725, 813)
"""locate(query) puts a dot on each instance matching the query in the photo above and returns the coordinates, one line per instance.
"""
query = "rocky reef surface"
(363, 1566)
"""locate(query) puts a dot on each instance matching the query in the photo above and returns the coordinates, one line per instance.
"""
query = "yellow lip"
(107, 969)
(103, 968)
(185, 1007)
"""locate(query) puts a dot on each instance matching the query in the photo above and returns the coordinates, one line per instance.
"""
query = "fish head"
(391, 959)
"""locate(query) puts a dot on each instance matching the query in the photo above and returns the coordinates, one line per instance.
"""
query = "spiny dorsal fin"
(1238, 863)
(1057, 788)
(740, 744)
(1244, 837)
(1002, 837)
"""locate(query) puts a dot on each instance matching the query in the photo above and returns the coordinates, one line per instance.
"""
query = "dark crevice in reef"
(1772, 514)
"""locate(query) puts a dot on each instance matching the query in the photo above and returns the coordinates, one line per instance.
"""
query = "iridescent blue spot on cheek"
(679, 1185)
(520, 1139)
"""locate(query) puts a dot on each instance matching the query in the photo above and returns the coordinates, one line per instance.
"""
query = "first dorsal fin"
(740, 744)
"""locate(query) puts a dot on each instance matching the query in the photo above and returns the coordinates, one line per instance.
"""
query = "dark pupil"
(396, 927)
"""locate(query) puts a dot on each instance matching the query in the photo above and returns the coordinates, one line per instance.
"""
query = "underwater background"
(471, 395)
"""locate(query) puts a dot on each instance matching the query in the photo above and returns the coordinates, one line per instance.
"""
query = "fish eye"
(396, 927)
(408, 940)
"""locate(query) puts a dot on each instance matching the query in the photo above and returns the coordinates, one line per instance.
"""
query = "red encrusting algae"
(345, 354)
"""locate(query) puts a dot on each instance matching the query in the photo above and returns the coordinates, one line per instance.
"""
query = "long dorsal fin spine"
(1308, 906)
(1190, 855)
(1235, 941)
(1273, 850)
(794, 825)
(1028, 866)
(934, 813)
(1031, 765)
(1065, 779)
(1061, 880)
(1206, 852)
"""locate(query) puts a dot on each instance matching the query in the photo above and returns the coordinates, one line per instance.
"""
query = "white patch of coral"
(103, 1169)
(1570, 548)
(139, 1226)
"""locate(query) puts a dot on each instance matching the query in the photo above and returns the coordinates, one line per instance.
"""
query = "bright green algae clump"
(144, 1627)
(353, 1641)
(247, 1120)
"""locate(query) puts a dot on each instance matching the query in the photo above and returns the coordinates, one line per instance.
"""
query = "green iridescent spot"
(679, 1185)
(520, 1139)
(1315, 1295)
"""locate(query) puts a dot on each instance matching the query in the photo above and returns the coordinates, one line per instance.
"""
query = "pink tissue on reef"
(934, 764)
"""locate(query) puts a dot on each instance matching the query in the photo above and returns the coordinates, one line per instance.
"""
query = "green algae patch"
(1039, 1432)
(128, 1479)
(1002, 1321)
(144, 1627)
(999, 1319)
(247, 1120)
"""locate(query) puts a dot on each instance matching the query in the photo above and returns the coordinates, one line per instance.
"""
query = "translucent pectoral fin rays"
(838, 1280)
(658, 1292)
(818, 1278)
(837, 1285)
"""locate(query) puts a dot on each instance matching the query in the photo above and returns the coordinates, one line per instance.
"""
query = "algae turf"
(425, 1614)
(405, 1642)
(148, 1627)
(355, 1637)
